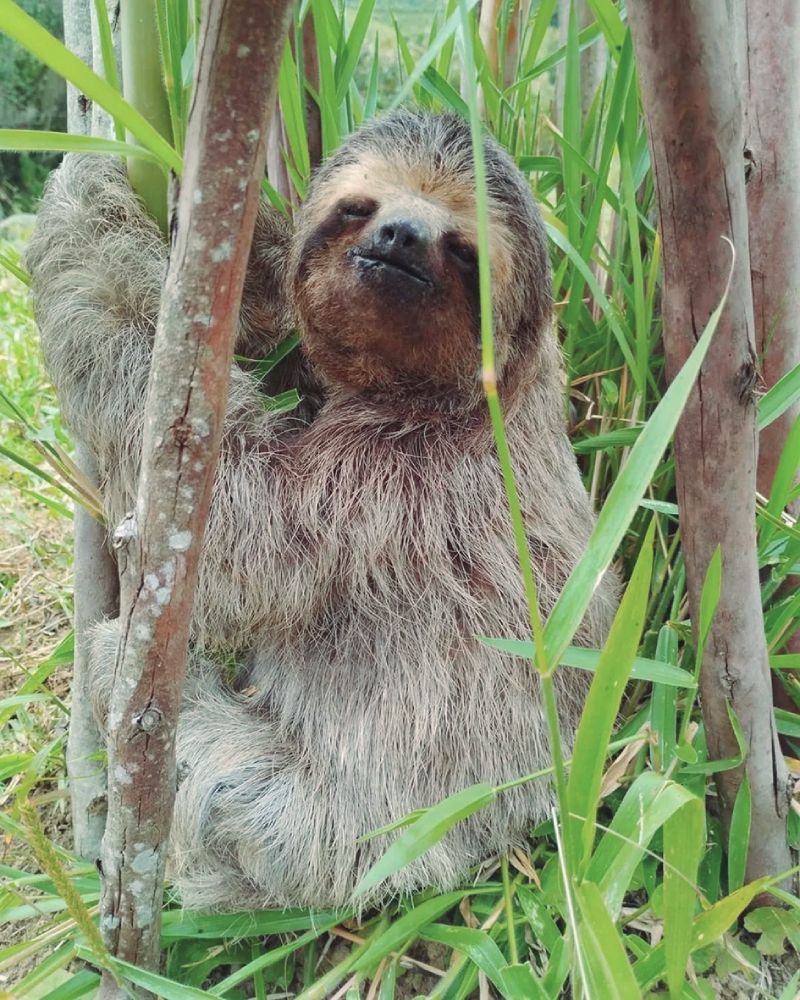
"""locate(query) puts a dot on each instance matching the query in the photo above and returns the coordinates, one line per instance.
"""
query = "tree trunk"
(96, 585)
(212, 227)
(692, 99)
(772, 157)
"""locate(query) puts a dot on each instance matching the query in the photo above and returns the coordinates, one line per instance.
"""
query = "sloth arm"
(97, 263)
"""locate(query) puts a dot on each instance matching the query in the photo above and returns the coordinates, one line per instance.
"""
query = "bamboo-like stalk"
(143, 87)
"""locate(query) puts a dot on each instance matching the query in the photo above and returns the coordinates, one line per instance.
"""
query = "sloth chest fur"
(373, 544)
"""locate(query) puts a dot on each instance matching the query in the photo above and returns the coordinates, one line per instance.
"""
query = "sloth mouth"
(370, 260)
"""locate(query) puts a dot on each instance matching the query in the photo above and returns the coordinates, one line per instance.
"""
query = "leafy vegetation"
(631, 887)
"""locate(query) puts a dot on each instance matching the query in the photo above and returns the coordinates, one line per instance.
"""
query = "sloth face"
(384, 265)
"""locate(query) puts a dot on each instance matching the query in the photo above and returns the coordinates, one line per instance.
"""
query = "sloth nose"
(403, 239)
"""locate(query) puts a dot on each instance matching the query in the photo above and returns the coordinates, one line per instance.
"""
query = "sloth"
(359, 546)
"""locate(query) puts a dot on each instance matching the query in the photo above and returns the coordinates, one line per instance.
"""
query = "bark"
(78, 39)
(96, 586)
(160, 544)
(772, 160)
(692, 99)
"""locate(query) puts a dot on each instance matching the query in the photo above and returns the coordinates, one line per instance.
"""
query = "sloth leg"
(250, 826)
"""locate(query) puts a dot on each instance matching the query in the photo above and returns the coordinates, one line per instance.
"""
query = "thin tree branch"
(96, 586)
(160, 545)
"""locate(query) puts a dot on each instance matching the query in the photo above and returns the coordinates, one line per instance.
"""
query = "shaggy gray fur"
(353, 552)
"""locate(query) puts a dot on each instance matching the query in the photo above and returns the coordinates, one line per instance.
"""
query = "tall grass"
(631, 881)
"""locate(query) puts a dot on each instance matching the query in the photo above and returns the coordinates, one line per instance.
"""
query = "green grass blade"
(583, 658)
(608, 17)
(607, 968)
(294, 118)
(684, 840)
(623, 500)
(347, 63)
(646, 807)
(423, 61)
(424, 832)
(478, 947)
(407, 927)
(785, 477)
(10, 260)
(777, 400)
(28, 140)
(605, 697)
(664, 703)
(159, 986)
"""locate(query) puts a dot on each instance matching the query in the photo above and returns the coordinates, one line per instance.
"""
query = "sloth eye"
(463, 251)
(360, 209)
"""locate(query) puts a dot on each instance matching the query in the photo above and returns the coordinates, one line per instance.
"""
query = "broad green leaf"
(646, 807)
(605, 697)
(776, 928)
(426, 831)
(707, 928)
(608, 972)
(519, 981)
(583, 658)
(684, 840)
(713, 923)
(664, 704)
(478, 947)
(739, 835)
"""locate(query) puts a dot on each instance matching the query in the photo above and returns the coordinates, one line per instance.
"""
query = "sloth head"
(385, 265)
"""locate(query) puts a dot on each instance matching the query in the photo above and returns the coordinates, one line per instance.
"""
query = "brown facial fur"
(373, 330)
